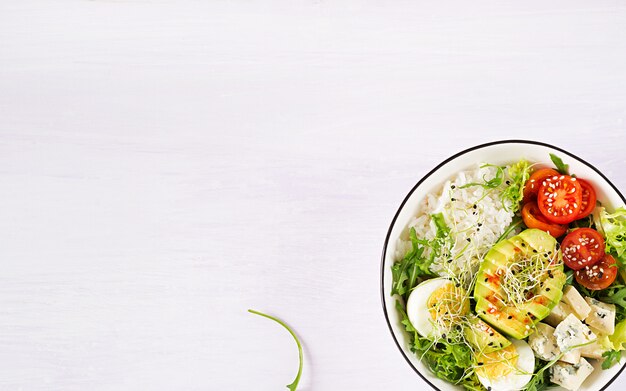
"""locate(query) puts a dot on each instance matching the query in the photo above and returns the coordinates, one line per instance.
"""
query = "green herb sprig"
(294, 384)
(611, 357)
(491, 183)
(560, 166)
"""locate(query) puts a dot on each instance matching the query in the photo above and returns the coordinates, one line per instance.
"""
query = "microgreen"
(524, 275)
(491, 183)
(294, 384)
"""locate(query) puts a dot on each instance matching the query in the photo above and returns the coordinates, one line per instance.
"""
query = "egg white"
(517, 379)
(417, 308)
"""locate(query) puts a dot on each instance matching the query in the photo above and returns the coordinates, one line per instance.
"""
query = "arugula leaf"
(407, 272)
(560, 166)
(569, 277)
(615, 294)
(294, 384)
(442, 229)
(541, 377)
(611, 357)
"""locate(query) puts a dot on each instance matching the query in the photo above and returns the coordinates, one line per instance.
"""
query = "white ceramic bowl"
(499, 152)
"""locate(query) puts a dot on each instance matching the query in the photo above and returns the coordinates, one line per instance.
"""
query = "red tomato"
(534, 219)
(598, 276)
(536, 178)
(559, 199)
(588, 202)
(582, 247)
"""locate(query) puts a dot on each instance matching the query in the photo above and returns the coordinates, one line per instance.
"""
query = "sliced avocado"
(516, 315)
(482, 337)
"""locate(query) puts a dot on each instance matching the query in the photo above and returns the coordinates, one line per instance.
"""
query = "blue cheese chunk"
(593, 350)
(571, 333)
(543, 343)
(577, 303)
(572, 356)
(601, 317)
(558, 314)
(570, 376)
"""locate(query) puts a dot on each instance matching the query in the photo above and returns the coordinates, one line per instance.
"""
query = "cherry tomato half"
(582, 247)
(588, 202)
(559, 199)
(598, 276)
(534, 219)
(536, 178)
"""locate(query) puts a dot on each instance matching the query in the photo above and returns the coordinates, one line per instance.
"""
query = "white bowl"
(499, 152)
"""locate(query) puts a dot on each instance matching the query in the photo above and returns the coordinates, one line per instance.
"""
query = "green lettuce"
(514, 192)
(617, 339)
(614, 227)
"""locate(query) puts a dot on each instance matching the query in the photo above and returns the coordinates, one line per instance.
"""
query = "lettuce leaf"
(518, 174)
(617, 340)
(614, 227)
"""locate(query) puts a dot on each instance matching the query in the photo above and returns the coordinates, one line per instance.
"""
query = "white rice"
(473, 230)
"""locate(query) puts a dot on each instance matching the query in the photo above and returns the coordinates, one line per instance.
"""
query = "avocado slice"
(482, 337)
(519, 281)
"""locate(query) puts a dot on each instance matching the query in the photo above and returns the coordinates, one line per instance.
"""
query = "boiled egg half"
(435, 305)
(508, 369)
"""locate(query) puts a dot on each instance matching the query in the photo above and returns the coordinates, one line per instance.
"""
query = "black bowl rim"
(393, 221)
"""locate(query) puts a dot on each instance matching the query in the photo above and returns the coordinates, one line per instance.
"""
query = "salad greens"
(455, 359)
(294, 384)
(541, 377)
(618, 339)
(514, 191)
(613, 226)
(415, 266)
(560, 166)
(519, 174)
(611, 357)
(450, 362)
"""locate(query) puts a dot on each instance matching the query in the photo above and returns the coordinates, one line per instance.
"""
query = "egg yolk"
(448, 303)
(497, 364)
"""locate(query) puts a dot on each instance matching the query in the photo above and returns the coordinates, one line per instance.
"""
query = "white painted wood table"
(166, 165)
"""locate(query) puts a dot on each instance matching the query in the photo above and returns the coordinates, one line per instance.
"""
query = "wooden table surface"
(166, 165)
